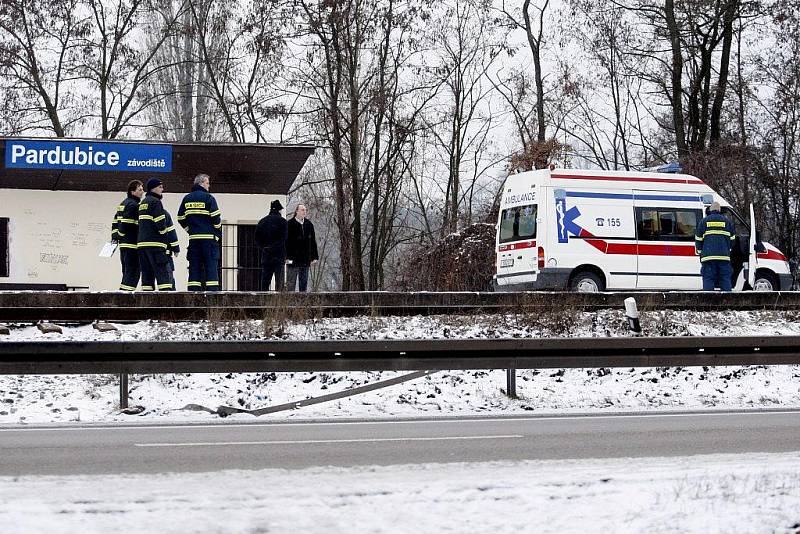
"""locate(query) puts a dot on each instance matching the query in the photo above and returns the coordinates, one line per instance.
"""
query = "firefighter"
(714, 239)
(125, 232)
(158, 240)
(200, 216)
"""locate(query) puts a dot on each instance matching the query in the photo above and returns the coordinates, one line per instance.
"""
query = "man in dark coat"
(125, 231)
(301, 249)
(158, 240)
(271, 234)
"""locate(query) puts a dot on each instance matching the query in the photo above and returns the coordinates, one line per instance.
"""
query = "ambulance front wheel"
(586, 282)
(766, 281)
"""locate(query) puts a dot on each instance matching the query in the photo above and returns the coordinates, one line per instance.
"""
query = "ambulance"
(594, 231)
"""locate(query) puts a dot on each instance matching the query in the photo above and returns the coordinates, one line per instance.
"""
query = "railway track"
(26, 306)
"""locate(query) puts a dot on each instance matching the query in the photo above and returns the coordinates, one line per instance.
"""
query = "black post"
(123, 391)
(511, 383)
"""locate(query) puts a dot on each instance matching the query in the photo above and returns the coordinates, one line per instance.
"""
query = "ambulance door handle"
(519, 257)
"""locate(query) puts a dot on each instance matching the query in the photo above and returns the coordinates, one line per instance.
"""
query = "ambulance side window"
(666, 224)
(518, 223)
(742, 228)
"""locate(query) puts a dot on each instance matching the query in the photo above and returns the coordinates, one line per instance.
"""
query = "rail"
(80, 306)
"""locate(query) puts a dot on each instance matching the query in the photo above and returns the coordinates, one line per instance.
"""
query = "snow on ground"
(751, 493)
(38, 399)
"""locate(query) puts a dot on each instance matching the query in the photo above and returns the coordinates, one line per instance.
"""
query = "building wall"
(55, 236)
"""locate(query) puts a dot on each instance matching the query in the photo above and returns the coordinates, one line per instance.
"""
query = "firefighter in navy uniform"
(158, 240)
(714, 238)
(125, 232)
(200, 216)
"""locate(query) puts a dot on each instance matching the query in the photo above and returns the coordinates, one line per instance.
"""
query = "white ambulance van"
(617, 230)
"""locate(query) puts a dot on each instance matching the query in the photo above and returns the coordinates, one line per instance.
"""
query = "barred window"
(4, 267)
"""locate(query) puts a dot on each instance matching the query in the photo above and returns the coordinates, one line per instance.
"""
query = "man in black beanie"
(271, 235)
(157, 240)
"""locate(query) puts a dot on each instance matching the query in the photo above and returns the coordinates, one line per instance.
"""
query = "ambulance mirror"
(560, 194)
(707, 199)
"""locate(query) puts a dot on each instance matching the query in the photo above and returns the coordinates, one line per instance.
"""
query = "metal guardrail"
(142, 357)
(73, 357)
(79, 306)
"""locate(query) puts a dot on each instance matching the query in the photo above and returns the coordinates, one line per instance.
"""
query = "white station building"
(58, 198)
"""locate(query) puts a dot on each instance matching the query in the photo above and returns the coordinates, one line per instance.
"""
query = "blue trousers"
(203, 256)
(716, 273)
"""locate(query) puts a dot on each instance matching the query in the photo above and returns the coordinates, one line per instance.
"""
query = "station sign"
(87, 155)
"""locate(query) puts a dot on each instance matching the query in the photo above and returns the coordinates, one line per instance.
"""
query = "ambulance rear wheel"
(586, 282)
(765, 281)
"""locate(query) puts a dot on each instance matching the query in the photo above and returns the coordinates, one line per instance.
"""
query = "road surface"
(159, 448)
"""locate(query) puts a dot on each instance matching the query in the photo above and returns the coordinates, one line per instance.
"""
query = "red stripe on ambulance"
(633, 249)
(771, 255)
(516, 246)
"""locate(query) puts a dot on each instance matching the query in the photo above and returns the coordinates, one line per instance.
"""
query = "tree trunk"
(677, 82)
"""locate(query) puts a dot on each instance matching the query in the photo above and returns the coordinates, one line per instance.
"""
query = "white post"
(632, 314)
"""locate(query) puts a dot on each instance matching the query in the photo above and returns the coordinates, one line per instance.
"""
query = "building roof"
(233, 167)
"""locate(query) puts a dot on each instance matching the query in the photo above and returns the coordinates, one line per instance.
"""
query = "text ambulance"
(598, 230)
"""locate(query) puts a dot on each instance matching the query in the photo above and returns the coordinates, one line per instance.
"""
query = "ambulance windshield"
(518, 223)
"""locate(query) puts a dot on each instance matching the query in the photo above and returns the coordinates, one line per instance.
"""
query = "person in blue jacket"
(714, 239)
(200, 216)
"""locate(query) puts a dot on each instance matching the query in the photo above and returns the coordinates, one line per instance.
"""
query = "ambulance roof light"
(672, 168)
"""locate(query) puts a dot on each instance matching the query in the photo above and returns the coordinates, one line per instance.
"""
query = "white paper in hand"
(108, 250)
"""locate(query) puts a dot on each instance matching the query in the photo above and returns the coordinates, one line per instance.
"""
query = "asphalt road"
(232, 445)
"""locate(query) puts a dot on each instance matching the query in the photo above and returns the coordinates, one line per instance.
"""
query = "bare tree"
(461, 120)
(38, 54)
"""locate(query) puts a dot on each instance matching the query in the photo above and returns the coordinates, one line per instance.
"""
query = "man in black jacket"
(125, 231)
(158, 240)
(271, 235)
(301, 249)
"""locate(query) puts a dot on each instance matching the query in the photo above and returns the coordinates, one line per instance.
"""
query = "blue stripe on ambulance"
(623, 196)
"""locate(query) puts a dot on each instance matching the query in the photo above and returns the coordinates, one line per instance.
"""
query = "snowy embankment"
(752, 493)
(34, 399)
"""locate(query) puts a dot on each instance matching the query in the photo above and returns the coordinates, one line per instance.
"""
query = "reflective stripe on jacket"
(200, 216)
(714, 237)
(125, 228)
(155, 225)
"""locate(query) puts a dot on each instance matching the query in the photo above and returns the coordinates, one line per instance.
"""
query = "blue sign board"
(87, 155)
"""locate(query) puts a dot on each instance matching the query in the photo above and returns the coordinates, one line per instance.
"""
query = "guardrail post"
(123, 391)
(511, 383)
(632, 314)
